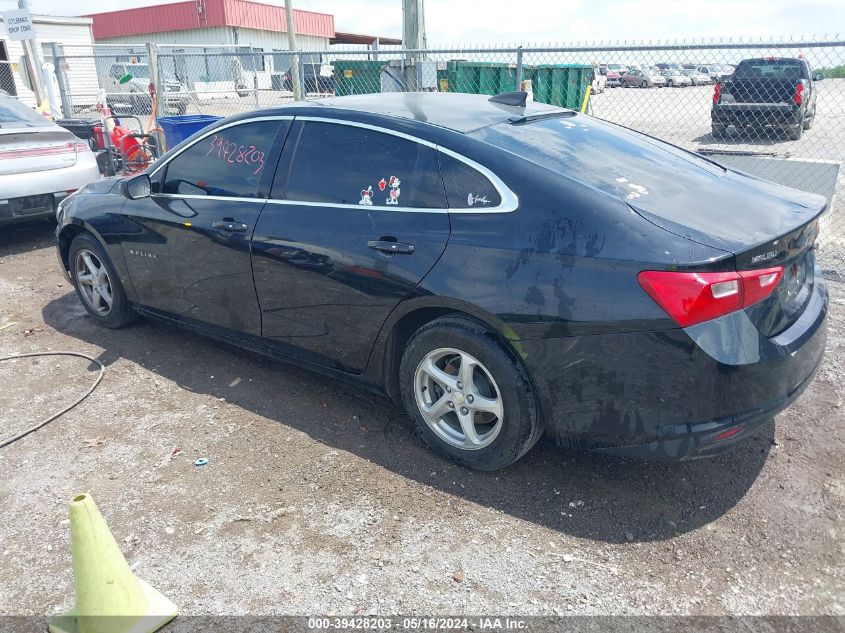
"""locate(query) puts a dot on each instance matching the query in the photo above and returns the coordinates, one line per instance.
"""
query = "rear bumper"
(762, 114)
(36, 194)
(677, 394)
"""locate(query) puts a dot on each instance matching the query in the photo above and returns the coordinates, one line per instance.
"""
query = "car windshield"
(770, 69)
(619, 162)
(15, 114)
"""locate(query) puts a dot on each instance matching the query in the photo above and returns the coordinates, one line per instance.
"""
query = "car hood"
(102, 186)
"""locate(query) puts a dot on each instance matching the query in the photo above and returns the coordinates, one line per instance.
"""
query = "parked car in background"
(612, 77)
(643, 79)
(713, 71)
(619, 68)
(684, 325)
(697, 78)
(40, 163)
(128, 91)
(775, 93)
(675, 78)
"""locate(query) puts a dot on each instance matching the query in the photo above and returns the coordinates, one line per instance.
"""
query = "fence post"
(155, 80)
(300, 64)
(255, 80)
(518, 69)
(64, 93)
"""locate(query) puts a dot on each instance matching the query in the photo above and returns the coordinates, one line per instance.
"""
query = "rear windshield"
(15, 114)
(620, 162)
(770, 69)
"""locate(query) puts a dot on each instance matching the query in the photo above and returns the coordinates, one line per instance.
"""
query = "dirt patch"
(318, 499)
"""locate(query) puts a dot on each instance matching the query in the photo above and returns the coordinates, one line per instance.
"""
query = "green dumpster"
(486, 78)
(560, 84)
(357, 77)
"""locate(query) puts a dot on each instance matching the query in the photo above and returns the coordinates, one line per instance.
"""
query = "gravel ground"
(318, 499)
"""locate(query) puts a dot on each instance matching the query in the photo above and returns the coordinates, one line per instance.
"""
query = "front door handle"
(388, 246)
(230, 226)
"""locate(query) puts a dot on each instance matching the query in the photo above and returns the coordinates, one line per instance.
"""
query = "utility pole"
(32, 55)
(413, 37)
(294, 60)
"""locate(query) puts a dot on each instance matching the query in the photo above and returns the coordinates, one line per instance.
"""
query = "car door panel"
(325, 281)
(180, 264)
(189, 251)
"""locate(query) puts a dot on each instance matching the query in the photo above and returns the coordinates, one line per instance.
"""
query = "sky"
(535, 22)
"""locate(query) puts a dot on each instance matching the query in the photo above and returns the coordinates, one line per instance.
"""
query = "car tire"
(808, 123)
(719, 131)
(497, 438)
(793, 133)
(86, 256)
(643, 85)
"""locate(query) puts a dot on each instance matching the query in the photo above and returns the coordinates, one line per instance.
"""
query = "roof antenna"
(511, 98)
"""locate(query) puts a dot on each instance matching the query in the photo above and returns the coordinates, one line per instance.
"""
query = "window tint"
(342, 164)
(465, 187)
(228, 163)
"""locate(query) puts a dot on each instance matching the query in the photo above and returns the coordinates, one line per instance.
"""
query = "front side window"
(344, 164)
(466, 188)
(227, 163)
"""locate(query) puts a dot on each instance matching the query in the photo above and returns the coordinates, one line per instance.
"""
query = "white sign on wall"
(19, 24)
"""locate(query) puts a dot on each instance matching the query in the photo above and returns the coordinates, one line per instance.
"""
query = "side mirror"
(137, 187)
(818, 75)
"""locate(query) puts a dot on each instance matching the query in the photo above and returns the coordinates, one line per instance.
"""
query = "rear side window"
(15, 114)
(466, 188)
(228, 163)
(344, 164)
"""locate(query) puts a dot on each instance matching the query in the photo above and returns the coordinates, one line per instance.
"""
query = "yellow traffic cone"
(109, 597)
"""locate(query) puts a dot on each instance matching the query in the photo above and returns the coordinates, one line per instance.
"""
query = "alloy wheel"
(93, 281)
(458, 398)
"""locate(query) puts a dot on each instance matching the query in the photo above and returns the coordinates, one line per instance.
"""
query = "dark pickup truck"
(767, 93)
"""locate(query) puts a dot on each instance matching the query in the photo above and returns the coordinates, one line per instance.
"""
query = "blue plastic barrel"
(177, 128)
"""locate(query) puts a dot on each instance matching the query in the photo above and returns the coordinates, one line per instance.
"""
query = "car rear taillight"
(717, 91)
(691, 298)
(798, 97)
(81, 146)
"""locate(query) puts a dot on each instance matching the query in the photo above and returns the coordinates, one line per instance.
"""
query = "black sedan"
(502, 269)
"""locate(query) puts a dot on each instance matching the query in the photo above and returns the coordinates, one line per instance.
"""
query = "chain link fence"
(775, 109)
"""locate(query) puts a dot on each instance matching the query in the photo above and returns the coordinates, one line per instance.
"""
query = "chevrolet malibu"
(502, 269)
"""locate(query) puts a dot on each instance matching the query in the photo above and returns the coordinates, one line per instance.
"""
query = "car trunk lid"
(763, 225)
(25, 150)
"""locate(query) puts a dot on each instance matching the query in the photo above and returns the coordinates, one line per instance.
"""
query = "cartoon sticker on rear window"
(393, 196)
(367, 196)
(472, 200)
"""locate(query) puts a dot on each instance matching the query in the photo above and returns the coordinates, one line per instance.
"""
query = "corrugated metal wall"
(185, 16)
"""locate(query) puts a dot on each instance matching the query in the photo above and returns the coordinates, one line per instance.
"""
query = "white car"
(40, 163)
(697, 77)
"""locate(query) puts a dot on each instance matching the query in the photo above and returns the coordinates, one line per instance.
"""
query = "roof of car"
(455, 111)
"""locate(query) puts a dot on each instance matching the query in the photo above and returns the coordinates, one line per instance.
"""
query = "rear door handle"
(230, 226)
(388, 246)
